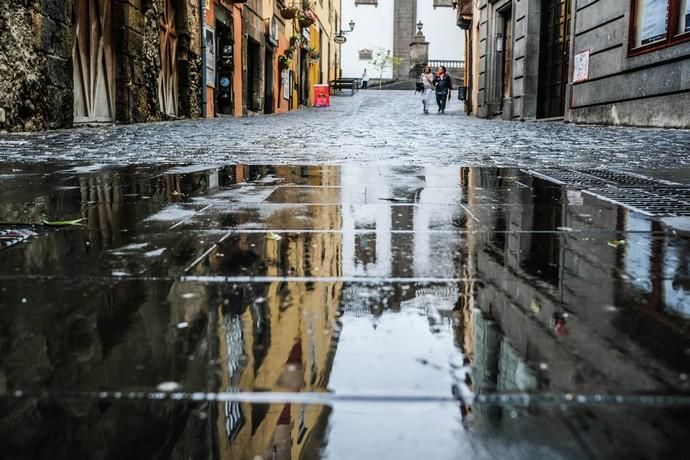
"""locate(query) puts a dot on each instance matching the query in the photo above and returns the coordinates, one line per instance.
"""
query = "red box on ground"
(322, 95)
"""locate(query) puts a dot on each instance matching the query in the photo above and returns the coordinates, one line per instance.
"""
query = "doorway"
(224, 65)
(167, 78)
(253, 75)
(269, 79)
(304, 77)
(93, 60)
(554, 52)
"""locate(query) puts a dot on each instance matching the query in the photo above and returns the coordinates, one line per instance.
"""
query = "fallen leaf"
(62, 223)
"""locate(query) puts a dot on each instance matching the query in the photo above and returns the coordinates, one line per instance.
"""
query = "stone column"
(405, 14)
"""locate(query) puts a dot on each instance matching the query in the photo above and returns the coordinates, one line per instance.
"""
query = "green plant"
(383, 60)
(314, 54)
(284, 62)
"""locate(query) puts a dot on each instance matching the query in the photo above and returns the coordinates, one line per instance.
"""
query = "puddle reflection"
(326, 288)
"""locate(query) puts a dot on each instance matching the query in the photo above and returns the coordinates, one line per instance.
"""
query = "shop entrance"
(224, 65)
(554, 50)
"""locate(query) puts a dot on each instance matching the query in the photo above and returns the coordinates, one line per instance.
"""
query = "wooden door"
(93, 61)
(167, 79)
(554, 51)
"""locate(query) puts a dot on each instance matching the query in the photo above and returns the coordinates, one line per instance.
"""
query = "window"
(658, 23)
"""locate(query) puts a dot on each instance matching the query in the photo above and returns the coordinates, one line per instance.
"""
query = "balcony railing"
(447, 63)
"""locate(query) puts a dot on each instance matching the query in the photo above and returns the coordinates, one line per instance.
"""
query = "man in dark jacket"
(443, 86)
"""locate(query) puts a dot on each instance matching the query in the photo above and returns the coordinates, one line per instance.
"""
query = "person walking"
(427, 79)
(365, 79)
(443, 86)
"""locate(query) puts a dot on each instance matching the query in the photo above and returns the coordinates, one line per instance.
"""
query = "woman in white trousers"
(428, 91)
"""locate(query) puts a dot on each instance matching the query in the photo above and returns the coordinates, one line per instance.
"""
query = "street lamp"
(419, 26)
(340, 36)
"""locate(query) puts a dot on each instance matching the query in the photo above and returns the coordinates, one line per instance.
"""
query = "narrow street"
(371, 127)
(354, 282)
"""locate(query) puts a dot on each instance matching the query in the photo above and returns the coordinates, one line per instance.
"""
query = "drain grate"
(598, 177)
(643, 194)
(568, 177)
(625, 179)
(668, 201)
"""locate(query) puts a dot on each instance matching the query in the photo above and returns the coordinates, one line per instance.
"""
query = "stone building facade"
(590, 61)
(76, 62)
(91, 61)
(519, 53)
(633, 63)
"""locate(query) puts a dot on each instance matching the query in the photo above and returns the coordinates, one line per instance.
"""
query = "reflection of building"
(280, 337)
(535, 273)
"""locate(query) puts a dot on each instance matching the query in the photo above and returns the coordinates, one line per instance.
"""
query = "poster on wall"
(285, 76)
(210, 37)
(581, 67)
(654, 22)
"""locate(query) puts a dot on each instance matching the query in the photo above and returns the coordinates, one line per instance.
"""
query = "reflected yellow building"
(283, 340)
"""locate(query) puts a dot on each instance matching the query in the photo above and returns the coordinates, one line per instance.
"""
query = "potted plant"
(295, 41)
(284, 62)
(306, 18)
(289, 12)
(314, 55)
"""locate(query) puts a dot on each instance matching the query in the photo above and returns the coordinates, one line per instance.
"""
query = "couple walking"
(438, 84)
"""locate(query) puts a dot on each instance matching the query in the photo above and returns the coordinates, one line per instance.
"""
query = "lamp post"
(420, 25)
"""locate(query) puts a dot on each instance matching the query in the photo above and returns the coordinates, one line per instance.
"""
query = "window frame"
(672, 35)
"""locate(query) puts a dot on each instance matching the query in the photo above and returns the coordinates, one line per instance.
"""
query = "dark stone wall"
(137, 44)
(35, 64)
(36, 38)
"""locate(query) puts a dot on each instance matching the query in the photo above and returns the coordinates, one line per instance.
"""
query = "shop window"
(658, 23)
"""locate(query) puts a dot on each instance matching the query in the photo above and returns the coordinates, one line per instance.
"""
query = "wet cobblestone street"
(360, 282)
(371, 127)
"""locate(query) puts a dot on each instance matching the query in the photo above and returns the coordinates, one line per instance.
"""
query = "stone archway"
(168, 79)
(93, 61)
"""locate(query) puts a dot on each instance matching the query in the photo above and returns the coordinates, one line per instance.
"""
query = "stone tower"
(404, 27)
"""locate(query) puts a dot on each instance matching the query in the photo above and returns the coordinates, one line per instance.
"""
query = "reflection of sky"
(637, 263)
(385, 360)
(677, 296)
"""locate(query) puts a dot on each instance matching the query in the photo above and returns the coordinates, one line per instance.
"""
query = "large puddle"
(276, 312)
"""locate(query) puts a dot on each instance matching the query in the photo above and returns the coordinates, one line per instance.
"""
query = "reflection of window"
(658, 23)
(365, 55)
(367, 2)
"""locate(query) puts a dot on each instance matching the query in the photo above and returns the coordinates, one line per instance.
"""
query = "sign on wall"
(581, 67)
(210, 37)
